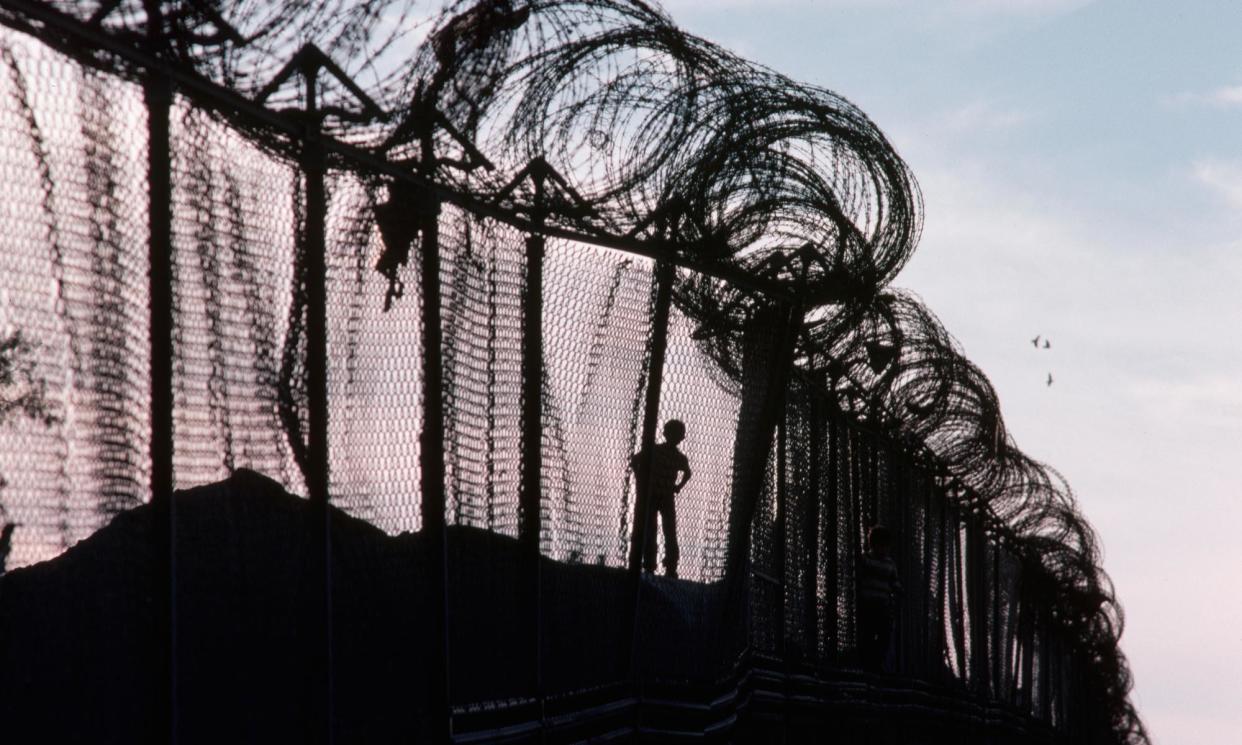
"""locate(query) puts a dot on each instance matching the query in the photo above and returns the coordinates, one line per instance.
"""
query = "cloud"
(980, 116)
(972, 7)
(1213, 395)
(674, 6)
(1222, 177)
(1224, 97)
(1019, 7)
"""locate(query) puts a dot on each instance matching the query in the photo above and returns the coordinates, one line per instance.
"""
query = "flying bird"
(1047, 344)
(1035, 341)
(1049, 379)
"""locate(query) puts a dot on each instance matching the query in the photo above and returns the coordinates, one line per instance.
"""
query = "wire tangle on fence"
(603, 119)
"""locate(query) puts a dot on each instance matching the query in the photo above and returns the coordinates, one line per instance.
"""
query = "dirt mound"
(84, 637)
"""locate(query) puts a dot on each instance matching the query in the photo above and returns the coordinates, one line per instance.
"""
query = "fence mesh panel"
(375, 370)
(771, 528)
(597, 317)
(72, 299)
(482, 273)
(235, 228)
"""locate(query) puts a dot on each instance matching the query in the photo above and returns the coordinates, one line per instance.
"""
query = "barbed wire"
(650, 134)
(892, 363)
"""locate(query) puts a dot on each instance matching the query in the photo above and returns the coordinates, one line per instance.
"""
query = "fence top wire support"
(180, 21)
(309, 62)
(638, 119)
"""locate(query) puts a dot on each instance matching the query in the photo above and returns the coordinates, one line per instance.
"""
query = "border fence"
(449, 308)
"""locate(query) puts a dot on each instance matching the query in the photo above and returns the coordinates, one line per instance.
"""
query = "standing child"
(878, 587)
(670, 470)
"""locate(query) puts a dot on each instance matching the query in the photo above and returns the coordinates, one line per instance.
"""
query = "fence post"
(811, 519)
(532, 386)
(308, 63)
(431, 468)
(158, 93)
(831, 543)
(947, 575)
(313, 170)
(317, 472)
(159, 183)
(976, 573)
(775, 369)
(431, 448)
(530, 526)
(1045, 665)
(665, 273)
(780, 539)
(930, 656)
(998, 638)
(1026, 640)
(959, 610)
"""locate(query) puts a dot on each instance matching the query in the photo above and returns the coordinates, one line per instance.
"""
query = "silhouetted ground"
(82, 650)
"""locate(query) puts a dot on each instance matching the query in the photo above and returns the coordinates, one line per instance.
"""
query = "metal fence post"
(431, 450)
(532, 388)
(775, 370)
(530, 526)
(313, 171)
(665, 273)
(1026, 625)
(831, 542)
(158, 90)
(1044, 661)
(941, 578)
(810, 523)
(998, 639)
(956, 585)
(431, 476)
(159, 183)
(431, 468)
(317, 472)
(308, 63)
(929, 658)
(781, 538)
(977, 604)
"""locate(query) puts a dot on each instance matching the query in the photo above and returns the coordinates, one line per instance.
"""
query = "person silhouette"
(878, 587)
(670, 470)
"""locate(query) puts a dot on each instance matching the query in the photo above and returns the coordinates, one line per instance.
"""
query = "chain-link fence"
(512, 589)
